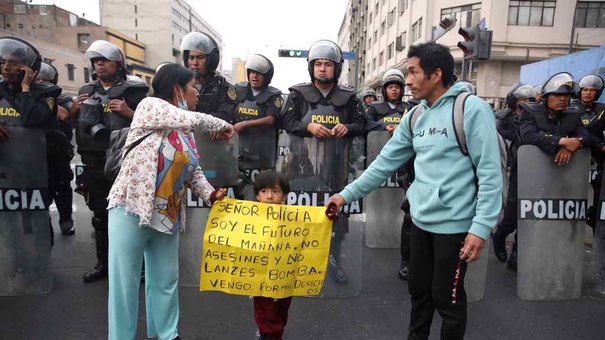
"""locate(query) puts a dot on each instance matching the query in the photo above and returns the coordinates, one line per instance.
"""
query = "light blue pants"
(127, 245)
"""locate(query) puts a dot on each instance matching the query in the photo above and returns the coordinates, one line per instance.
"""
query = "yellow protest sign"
(271, 250)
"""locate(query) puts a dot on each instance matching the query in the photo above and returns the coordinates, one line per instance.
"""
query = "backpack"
(113, 155)
(458, 119)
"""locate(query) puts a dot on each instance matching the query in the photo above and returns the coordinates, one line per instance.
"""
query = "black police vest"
(385, 114)
(563, 125)
(257, 145)
(113, 121)
(9, 116)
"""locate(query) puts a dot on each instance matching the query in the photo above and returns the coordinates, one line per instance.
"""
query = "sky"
(256, 26)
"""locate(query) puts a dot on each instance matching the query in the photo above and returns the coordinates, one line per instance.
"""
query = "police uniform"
(539, 129)
(593, 120)
(257, 144)
(92, 150)
(381, 114)
(217, 97)
(306, 105)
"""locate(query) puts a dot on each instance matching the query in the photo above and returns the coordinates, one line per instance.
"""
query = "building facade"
(159, 24)
(523, 32)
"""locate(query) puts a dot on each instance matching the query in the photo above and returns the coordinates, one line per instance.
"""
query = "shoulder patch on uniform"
(278, 102)
(231, 93)
(51, 102)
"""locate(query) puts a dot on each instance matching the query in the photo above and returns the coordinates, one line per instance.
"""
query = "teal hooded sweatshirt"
(444, 197)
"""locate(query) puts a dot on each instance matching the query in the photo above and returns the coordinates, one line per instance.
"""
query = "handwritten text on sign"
(270, 250)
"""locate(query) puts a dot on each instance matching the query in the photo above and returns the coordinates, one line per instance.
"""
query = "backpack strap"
(415, 114)
(458, 121)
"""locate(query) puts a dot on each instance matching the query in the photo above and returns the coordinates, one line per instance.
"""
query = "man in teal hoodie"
(455, 199)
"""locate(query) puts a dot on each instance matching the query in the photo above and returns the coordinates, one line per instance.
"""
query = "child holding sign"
(271, 315)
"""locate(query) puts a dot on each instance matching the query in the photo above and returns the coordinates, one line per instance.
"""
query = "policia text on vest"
(552, 209)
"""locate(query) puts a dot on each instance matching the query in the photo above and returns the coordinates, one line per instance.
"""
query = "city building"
(63, 33)
(523, 32)
(159, 24)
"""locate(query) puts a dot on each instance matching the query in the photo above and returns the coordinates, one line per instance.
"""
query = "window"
(368, 67)
(390, 51)
(531, 13)
(381, 61)
(376, 8)
(590, 14)
(376, 35)
(417, 30)
(136, 36)
(382, 27)
(70, 72)
(400, 42)
(136, 23)
(468, 15)
(176, 14)
(86, 75)
(19, 9)
(43, 10)
(369, 42)
(83, 39)
(135, 9)
(403, 6)
(391, 18)
(373, 64)
(370, 19)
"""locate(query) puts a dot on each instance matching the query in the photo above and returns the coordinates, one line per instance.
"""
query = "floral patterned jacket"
(135, 186)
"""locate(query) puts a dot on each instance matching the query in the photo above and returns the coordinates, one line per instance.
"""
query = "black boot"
(97, 273)
(499, 242)
(512, 260)
(67, 227)
(337, 274)
(102, 245)
(404, 270)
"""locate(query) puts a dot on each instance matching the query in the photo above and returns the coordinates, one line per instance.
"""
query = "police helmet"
(367, 92)
(325, 49)
(519, 91)
(160, 65)
(109, 51)
(592, 81)
(260, 64)
(19, 51)
(392, 76)
(135, 79)
(469, 86)
(538, 90)
(48, 73)
(198, 41)
(561, 83)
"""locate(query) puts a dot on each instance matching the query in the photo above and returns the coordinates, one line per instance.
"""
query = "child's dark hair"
(268, 178)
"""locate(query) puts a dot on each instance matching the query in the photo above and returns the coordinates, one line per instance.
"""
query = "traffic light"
(292, 53)
(477, 43)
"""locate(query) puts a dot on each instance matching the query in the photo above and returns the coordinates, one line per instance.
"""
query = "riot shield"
(257, 148)
(25, 234)
(219, 161)
(383, 205)
(552, 212)
(317, 168)
(596, 270)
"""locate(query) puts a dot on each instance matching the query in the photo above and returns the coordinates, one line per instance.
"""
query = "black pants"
(436, 281)
(508, 224)
(406, 230)
(96, 192)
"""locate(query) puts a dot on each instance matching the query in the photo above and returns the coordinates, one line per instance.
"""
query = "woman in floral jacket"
(147, 204)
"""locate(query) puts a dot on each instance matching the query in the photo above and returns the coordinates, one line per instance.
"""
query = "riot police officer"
(23, 102)
(538, 91)
(386, 115)
(60, 153)
(201, 54)
(508, 123)
(592, 114)
(330, 114)
(368, 95)
(258, 106)
(104, 105)
(552, 125)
